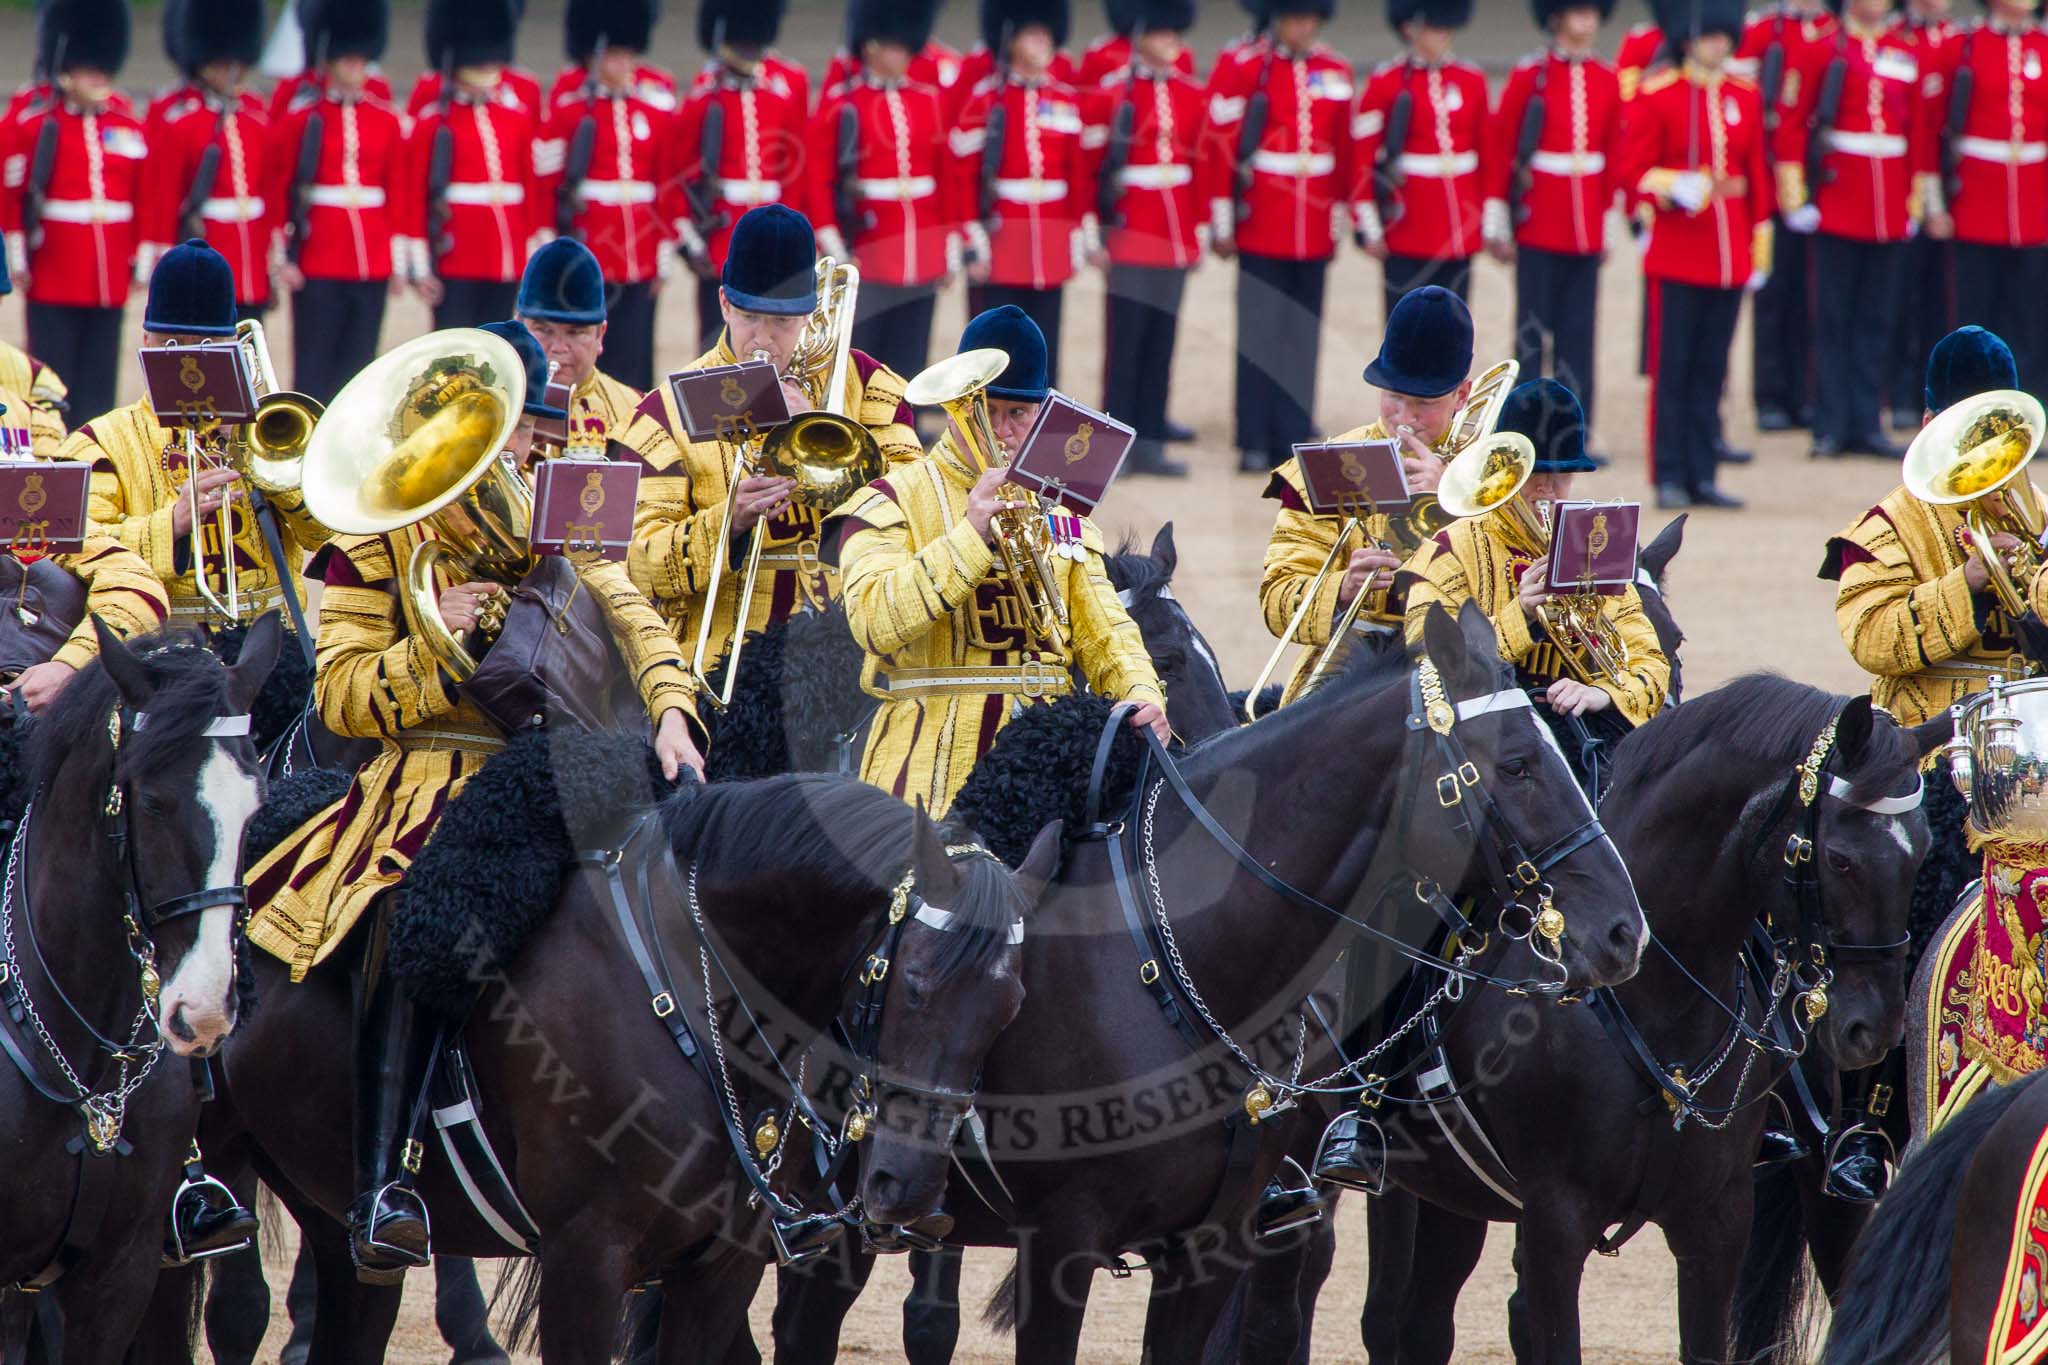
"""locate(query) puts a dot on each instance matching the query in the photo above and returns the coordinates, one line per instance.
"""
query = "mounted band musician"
(562, 302)
(386, 673)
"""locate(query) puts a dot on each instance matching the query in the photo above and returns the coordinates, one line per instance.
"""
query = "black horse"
(120, 907)
(1109, 1133)
(1646, 1108)
(616, 1144)
(1197, 698)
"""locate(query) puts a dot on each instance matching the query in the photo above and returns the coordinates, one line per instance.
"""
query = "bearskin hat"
(1130, 17)
(469, 32)
(1680, 19)
(743, 23)
(1277, 9)
(1000, 18)
(214, 31)
(1435, 13)
(346, 28)
(908, 22)
(1543, 11)
(83, 33)
(173, 25)
(588, 25)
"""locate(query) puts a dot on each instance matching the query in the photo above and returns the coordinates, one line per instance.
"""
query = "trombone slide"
(756, 540)
(230, 605)
(1292, 633)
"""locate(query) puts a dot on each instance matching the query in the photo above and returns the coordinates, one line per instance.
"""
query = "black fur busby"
(83, 34)
(1435, 13)
(469, 32)
(1037, 771)
(589, 25)
(908, 22)
(1680, 19)
(1280, 9)
(1543, 11)
(346, 28)
(742, 23)
(1146, 16)
(215, 31)
(1000, 18)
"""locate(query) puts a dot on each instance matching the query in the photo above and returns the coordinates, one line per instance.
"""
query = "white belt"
(485, 193)
(1878, 146)
(748, 191)
(1161, 176)
(247, 210)
(617, 193)
(1294, 163)
(87, 211)
(1031, 191)
(2002, 151)
(1439, 165)
(346, 196)
(901, 190)
(1568, 163)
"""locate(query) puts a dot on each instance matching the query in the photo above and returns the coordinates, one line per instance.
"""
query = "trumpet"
(958, 384)
(826, 452)
(1473, 421)
(1967, 456)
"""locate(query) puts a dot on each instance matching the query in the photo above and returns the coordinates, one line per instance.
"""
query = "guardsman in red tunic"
(877, 149)
(1641, 51)
(1553, 155)
(1695, 154)
(1280, 139)
(650, 84)
(1993, 200)
(336, 173)
(516, 87)
(1154, 221)
(739, 141)
(1111, 52)
(209, 167)
(934, 64)
(1770, 55)
(602, 159)
(1020, 171)
(1923, 280)
(469, 201)
(1419, 141)
(979, 63)
(289, 91)
(1861, 140)
(70, 195)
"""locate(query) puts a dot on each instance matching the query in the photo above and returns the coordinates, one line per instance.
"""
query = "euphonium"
(1473, 421)
(828, 454)
(419, 436)
(267, 450)
(1023, 541)
(1975, 449)
(1487, 477)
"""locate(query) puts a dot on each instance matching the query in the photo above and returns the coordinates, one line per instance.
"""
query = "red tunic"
(1884, 134)
(1435, 213)
(1301, 169)
(306, 86)
(91, 209)
(652, 85)
(1161, 200)
(1792, 34)
(517, 87)
(1642, 48)
(1044, 183)
(979, 64)
(777, 73)
(760, 153)
(1702, 123)
(2000, 195)
(1572, 173)
(900, 236)
(935, 65)
(492, 195)
(621, 219)
(1111, 53)
(239, 218)
(349, 203)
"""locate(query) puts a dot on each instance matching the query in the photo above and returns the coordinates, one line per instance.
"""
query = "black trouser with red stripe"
(1042, 306)
(1279, 338)
(1555, 295)
(1781, 341)
(471, 303)
(628, 354)
(335, 327)
(1924, 305)
(2000, 287)
(83, 345)
(1137, 354)
(1695, 328)
(893, 323)
(1857, 301)
(1404, 274)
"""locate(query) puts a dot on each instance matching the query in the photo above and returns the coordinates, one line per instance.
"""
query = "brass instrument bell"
(1971, 451)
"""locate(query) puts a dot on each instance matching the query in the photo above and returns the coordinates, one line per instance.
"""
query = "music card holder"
(204, 385)
(1353, 478)
(42, 507)
(730, 403)
(1593, 547)
(1072, 454)
(584, 508)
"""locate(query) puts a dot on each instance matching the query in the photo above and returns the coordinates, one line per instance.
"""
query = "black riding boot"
(206, 1219)
(1858, 1155)
(1289, 1201)
(387, 1222)
(1353, 1154)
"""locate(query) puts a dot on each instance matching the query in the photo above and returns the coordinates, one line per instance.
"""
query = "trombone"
(1973, 451)
(959, 384)
(826, 452)
(1472, 422)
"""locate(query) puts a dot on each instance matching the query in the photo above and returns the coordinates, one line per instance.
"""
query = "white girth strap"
(942, 920)
(1884, 805)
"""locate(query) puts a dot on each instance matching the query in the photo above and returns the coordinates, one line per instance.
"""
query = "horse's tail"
(271, 1215)
(1893, 1305)
(518, 1292)
(1772, 1292)
(1226, 1338)
(1000, 1314)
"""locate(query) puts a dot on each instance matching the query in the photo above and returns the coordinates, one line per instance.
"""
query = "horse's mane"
(1131, 569)
(848, 840)
(191, 690)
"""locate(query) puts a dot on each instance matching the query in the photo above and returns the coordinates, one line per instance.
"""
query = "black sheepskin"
(798, 691)
(285, 691)
(16, 771)
(289, 804)
(1037, 772)
(1950, 865)
(492, 871)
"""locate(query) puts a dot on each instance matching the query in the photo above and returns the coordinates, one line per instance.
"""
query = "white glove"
(1757, 280)
(1803, 219)
(831, 243)
(1494, 226)
(1691, 190)
(17, 253)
